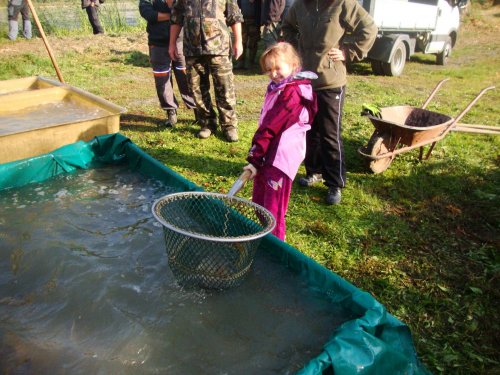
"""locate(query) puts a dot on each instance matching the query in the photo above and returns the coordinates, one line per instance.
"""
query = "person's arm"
(175, 30)
(362, 27)
(234, 18)
(147, 11)
(237, 40)
(284, 113)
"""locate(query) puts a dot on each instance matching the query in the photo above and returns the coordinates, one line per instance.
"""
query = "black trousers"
(94, 20)
(325, 150)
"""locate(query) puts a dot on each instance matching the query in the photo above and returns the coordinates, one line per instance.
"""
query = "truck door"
(447, 25)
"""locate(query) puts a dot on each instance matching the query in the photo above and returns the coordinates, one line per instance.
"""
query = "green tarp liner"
(375, 343)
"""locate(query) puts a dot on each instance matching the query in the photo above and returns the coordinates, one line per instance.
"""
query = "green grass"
(422, 237)
(66, 18)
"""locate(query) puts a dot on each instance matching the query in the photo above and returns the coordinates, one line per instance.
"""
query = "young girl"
(279, 145)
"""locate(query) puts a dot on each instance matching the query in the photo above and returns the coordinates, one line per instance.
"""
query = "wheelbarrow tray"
(407, 125)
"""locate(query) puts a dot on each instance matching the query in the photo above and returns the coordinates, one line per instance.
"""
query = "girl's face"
(278, 69)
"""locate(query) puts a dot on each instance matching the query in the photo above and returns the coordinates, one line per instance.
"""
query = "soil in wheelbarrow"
(410, 116)
(85, 286)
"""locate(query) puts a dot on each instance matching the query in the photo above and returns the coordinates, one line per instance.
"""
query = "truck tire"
(377, 67)
(395, 67)
(442, 57)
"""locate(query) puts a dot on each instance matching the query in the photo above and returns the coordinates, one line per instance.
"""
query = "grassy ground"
(423, 237)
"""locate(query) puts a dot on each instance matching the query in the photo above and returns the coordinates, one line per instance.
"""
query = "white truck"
(409, 26)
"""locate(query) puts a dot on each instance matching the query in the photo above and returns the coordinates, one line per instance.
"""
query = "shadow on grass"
(177, 160)
(423, 59)
(134, 58)
(141, 123)
(360, 68)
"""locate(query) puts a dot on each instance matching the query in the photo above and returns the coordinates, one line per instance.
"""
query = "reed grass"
(67, 18)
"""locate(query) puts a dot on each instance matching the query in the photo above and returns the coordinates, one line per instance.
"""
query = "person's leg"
(332, 149)
(161, 65)
(313, 160)
(27, 30)
(198, 73)
(94, 20)
(271, 190)
(221, 69)
(329, 123)
(179, 69)
(13, 10)
(253, 42)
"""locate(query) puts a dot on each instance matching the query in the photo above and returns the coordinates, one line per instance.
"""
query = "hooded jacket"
(316, 26)
(285, 118)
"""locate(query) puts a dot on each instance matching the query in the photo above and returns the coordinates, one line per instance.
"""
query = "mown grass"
(422, 237)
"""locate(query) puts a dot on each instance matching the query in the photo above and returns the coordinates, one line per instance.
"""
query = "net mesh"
(211, 239)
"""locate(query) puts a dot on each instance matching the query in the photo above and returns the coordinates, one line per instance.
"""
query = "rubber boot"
(13, 29)
(27, 29)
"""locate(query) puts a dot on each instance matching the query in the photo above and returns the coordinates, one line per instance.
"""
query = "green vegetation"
(67, 18)
(422, 237)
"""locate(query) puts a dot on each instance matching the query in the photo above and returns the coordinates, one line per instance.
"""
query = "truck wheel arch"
(387, 48)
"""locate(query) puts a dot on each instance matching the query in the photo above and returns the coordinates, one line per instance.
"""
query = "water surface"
(85, 288)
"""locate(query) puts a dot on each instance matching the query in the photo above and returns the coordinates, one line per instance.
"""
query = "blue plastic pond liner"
(374, 343)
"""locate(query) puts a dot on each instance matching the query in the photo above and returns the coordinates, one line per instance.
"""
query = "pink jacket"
(285, 118)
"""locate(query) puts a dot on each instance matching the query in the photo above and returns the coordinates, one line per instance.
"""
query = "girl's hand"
(252, 170)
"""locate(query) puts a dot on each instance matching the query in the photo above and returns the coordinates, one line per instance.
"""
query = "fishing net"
(211, 238)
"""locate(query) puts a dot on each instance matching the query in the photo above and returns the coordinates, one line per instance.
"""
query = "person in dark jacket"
(91, 7)
(157, 14)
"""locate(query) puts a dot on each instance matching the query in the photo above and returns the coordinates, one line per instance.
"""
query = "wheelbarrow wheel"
(378, 145)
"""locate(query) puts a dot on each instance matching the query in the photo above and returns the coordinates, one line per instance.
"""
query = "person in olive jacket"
(318, 28)
(157, 15)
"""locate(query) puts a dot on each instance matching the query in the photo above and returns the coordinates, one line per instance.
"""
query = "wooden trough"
(38, 115)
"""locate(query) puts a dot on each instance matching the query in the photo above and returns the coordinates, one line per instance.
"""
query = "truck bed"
(402, 15)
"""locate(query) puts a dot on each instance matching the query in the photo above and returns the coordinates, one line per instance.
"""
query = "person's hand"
(237, 49)
(336, 54)
(172, 51)
(252, 170)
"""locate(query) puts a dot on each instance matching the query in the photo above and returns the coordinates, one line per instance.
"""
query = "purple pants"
(271, 189)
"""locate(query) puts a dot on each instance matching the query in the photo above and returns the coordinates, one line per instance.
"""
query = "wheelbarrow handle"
(462, 114)
(438, 86)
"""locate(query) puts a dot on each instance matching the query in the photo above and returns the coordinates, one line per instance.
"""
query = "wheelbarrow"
(403, 128)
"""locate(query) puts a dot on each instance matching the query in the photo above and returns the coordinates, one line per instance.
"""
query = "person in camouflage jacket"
(207, 47)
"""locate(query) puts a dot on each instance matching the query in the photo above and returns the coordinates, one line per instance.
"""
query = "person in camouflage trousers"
(207, 48)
